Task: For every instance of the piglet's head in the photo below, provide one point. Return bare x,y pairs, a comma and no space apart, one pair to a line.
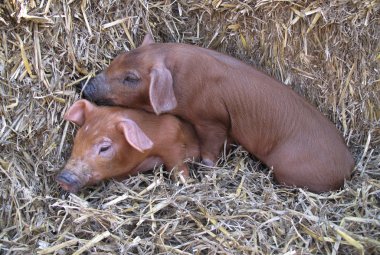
107,145
136,79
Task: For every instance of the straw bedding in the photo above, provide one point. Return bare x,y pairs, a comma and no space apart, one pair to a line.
328,51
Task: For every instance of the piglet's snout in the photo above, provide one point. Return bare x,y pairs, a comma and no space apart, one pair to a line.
68,181
92,90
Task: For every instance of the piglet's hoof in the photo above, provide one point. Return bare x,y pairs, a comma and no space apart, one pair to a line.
208,162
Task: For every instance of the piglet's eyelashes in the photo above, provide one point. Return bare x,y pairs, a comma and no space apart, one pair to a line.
103,148
131,78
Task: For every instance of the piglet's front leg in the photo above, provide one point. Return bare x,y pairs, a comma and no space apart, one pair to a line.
212,137
174,161
181,173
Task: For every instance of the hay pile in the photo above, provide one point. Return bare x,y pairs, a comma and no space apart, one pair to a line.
328,51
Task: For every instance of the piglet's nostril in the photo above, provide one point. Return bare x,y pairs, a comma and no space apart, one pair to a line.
67,178
68,181
79,87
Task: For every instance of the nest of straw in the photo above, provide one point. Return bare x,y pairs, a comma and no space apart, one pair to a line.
328,51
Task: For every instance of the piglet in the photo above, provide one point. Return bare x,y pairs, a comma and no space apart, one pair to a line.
115,142
226,98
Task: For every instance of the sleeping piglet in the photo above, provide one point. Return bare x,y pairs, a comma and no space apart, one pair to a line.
115,142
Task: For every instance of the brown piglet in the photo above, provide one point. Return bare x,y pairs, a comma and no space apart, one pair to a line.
224,97
115,142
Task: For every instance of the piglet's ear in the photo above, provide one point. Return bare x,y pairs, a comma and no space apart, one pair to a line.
161,92
148,39
78,111
134,135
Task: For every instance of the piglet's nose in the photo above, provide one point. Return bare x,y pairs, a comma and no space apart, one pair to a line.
89,88
68,181
86,86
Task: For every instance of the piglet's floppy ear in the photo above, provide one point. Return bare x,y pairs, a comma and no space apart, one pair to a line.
161,92
134,135
148,39
78,111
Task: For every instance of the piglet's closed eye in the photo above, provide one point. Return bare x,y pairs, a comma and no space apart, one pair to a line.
78,111
134,135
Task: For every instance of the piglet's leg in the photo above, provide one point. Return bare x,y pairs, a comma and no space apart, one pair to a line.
181,173
174,161
211,138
